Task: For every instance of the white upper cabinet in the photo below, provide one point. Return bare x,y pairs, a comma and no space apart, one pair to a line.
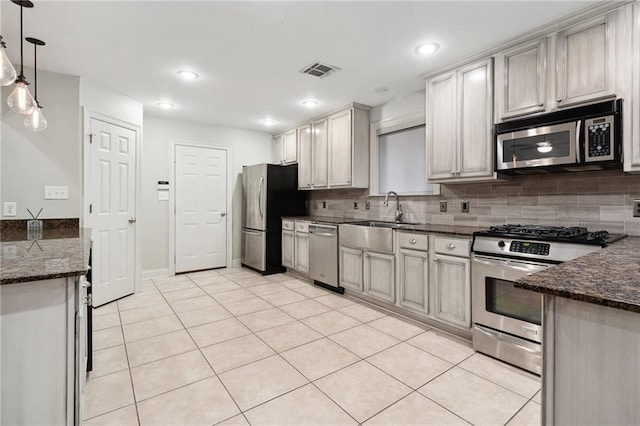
334,150
290,147
576,65
285,147
460,124
585,61
319,153
521,79
304,156
278,149
632,136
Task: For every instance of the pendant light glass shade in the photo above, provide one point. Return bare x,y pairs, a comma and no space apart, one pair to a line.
20,100
36,121
8,73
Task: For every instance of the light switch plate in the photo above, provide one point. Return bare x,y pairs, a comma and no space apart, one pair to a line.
464,206
10,209
636,208
443,206
56,192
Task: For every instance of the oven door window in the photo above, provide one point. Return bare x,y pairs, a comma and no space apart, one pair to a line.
502,298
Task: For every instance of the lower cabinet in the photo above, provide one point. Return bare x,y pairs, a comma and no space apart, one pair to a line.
351,268
413,280
301,243
379,276
452,289
288,248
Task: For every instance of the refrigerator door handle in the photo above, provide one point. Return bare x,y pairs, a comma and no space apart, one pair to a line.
260,197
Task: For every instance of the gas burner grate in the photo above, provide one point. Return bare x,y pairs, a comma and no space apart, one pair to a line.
549,232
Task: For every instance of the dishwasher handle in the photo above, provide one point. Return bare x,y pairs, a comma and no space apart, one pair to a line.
323,230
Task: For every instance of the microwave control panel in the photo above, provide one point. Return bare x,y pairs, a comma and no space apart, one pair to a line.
599,139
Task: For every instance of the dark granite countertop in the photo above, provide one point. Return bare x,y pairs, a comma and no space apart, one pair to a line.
62,252
466,231
609,277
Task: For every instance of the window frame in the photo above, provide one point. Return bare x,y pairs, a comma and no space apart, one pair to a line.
384,127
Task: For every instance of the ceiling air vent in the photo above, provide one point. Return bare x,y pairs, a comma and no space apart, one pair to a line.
320,70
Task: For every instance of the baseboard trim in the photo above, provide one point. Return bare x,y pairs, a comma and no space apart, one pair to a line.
236,263
155,273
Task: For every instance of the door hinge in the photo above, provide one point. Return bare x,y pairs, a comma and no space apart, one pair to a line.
91,135
90,208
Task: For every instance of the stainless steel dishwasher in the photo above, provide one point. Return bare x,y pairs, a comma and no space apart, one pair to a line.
323,256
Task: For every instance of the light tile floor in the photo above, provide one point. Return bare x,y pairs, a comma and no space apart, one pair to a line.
231,347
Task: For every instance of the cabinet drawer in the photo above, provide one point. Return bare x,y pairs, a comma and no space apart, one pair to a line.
302,227
413,241
288,224
452,246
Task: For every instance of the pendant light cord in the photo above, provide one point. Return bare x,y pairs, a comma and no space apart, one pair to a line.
35,71
21,44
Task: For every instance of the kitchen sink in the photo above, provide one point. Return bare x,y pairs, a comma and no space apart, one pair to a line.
379,224
374,236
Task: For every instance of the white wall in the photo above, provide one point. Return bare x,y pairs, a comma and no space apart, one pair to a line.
29,160
99,99
247,148
406,106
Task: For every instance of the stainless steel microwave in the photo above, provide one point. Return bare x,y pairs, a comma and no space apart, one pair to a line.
583,138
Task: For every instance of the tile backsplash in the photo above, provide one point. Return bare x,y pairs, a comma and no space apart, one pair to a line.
596,200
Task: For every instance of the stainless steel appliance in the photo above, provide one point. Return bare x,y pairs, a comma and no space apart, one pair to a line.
507,321
583,138
270,192
323,255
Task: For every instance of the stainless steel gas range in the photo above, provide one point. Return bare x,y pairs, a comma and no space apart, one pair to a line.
507,321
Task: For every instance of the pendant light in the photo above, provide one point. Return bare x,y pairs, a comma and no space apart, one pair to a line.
35,121
20,100
7,71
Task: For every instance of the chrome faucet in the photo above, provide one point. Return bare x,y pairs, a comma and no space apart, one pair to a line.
399,212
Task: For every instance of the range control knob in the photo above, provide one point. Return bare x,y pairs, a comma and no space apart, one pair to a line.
500,243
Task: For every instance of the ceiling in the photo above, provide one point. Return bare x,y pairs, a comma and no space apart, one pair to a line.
249,54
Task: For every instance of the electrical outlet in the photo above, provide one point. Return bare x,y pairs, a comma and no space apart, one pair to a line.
464,206
324,204
636,208
367,205
443,206
10,209
355,205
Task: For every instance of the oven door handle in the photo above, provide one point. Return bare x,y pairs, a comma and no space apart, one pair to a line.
516,265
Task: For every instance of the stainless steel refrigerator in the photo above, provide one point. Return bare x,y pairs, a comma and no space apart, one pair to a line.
270,192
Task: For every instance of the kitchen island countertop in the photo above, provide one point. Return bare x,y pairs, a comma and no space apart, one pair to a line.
60,253
608,277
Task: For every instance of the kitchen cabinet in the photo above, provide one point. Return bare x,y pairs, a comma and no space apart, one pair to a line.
278,149
521,79
451,281
379,276
295,245
43,371
301,243
334,150
350,268
319,153
304,156
576,65
460,124
285,147
585,61
631,139
413,282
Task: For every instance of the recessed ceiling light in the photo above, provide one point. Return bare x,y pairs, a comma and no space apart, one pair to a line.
309,103
188,75
166,105
427,48
268,122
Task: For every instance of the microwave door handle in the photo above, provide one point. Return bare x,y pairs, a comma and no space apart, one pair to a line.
578,125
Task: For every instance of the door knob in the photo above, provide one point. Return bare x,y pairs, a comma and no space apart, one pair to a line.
132,220
223,214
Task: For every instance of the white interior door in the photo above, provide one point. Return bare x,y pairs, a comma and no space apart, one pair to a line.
200,208
113,210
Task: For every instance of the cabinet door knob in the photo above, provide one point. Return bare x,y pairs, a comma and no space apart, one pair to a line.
412,241
223,214
451,246
540,103
559,100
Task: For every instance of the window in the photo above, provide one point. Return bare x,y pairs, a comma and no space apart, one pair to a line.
398,158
